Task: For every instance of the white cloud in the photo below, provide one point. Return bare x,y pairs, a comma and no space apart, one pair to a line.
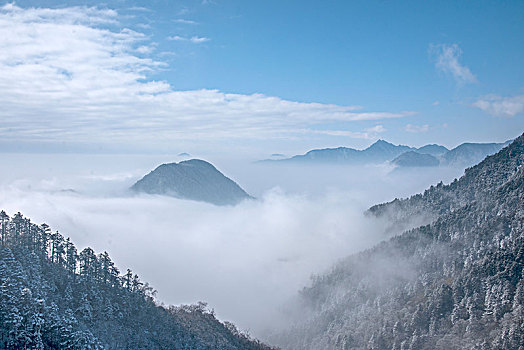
139,9
447,60
197,39
144,49
184,21
416,128
176,38
376,129
501,106
367,134
193,39
66,77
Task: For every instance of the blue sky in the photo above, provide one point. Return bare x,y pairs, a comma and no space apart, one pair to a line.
259,76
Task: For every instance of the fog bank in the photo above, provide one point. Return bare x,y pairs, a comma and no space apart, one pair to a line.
246,261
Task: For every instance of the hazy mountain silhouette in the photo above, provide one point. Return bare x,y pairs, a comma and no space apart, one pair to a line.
193,179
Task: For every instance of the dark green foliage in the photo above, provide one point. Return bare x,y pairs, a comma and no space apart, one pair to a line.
51,297
455,283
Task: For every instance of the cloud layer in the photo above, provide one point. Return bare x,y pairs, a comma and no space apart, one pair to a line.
75,74
246,261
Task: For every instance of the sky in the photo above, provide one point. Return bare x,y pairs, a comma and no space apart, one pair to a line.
252,78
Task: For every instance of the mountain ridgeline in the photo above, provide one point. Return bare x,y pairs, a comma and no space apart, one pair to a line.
52,297
378,152
192,179
415,159
464,155
454,283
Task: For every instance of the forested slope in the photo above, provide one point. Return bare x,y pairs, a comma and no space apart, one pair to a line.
455,283
475,184
52,297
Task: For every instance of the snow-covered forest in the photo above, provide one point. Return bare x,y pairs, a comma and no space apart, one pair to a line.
54,297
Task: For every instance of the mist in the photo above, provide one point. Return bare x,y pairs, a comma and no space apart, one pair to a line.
246,261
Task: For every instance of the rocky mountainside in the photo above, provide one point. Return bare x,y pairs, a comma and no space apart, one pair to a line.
192,179
53,297
455,283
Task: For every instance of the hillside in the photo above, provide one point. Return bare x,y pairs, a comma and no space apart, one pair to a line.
476,182
55,298
455,283
468,154
192,179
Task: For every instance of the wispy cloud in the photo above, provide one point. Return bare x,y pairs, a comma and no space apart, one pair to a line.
184,21
139,9
447,60
376,129
144,49
176,38
196,39
193,39
416,128
64,76
501,106
380,115
369,133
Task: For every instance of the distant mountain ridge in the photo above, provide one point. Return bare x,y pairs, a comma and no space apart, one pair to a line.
466,154
378,152
193,179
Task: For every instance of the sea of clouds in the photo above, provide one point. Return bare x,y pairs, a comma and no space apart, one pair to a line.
247,261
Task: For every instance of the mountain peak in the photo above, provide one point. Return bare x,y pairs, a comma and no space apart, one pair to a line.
383,150
380,142
193,179
384,145
195,162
